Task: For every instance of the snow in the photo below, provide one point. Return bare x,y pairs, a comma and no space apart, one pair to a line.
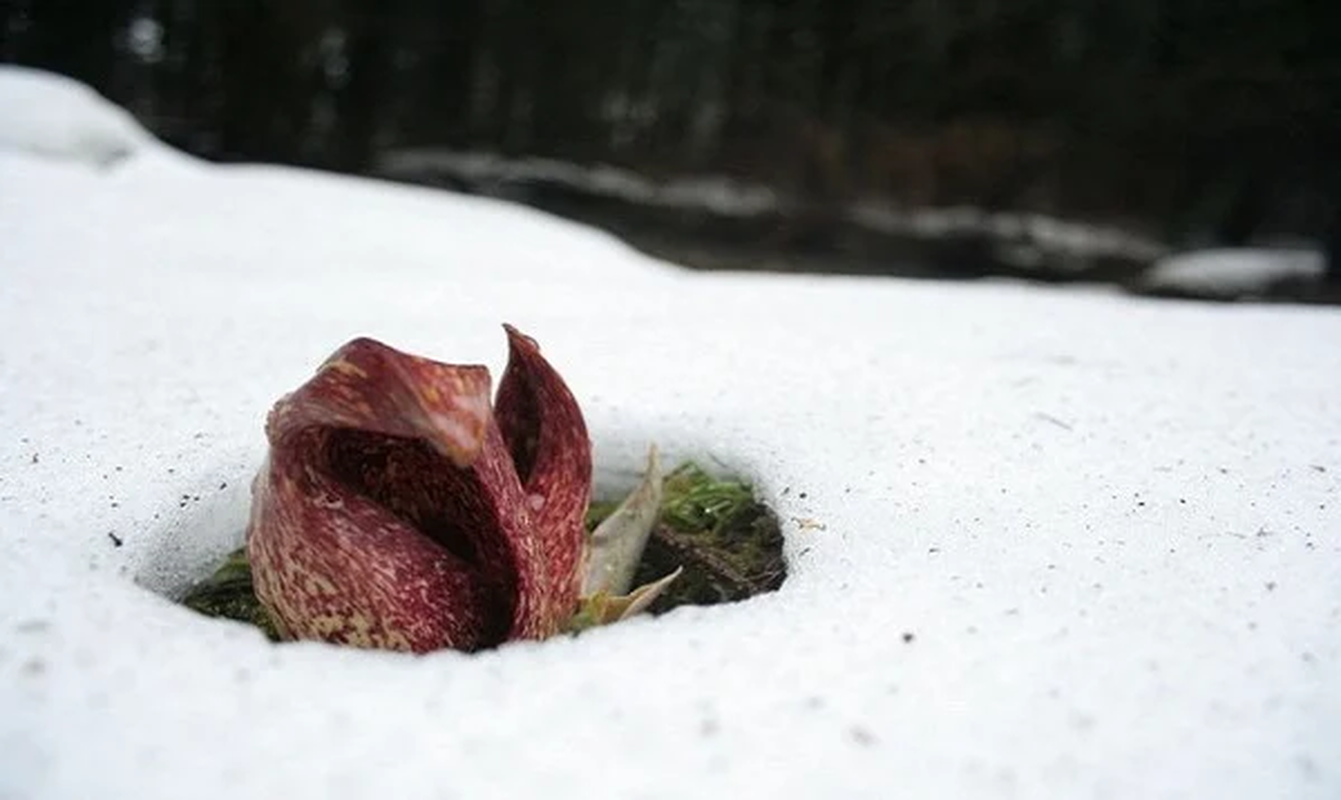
1023,240
53,116
1042,543
716,194
1229,273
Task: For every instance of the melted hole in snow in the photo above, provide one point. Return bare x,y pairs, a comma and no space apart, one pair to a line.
726,542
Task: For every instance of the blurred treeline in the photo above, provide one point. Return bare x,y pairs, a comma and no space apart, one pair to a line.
1211,113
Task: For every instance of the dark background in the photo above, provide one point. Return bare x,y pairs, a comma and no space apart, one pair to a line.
1191,121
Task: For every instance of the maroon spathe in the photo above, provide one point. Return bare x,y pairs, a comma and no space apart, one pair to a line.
397,510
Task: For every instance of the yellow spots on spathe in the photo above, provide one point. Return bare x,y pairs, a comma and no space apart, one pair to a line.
315,616
394,640
323,625
356,630
313,583
345,368
317,583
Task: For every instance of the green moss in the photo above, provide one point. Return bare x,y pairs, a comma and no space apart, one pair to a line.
695,501
228,593
728,543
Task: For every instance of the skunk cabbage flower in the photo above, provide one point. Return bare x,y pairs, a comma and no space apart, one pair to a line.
398,510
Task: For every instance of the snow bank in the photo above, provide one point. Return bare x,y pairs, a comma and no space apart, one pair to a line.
716,194
53,116
1230,273
1043,544
1023,240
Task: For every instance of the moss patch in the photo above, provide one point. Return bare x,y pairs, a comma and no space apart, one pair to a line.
228,593
729,544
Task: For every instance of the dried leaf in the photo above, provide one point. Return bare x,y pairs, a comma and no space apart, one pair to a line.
617,544
604,608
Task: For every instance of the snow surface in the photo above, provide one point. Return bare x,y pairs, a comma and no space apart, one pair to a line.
1242,272
1043,543
54,116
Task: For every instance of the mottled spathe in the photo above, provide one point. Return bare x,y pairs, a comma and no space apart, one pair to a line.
398,511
